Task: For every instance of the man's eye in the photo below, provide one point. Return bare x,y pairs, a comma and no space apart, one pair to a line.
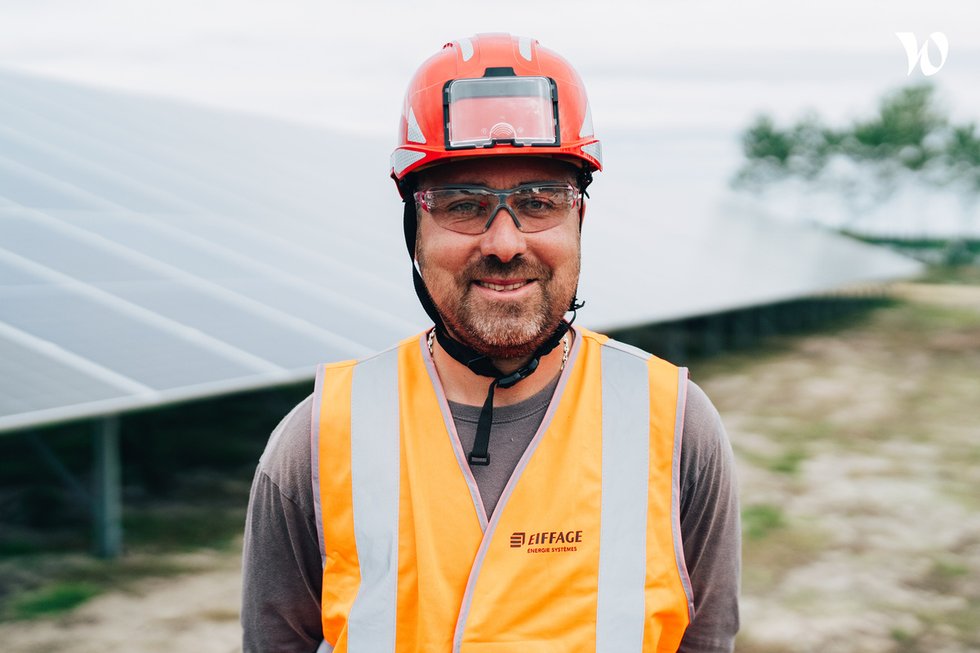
536,204
465,208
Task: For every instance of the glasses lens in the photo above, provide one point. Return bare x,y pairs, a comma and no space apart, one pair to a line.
469,210
541,207
462,210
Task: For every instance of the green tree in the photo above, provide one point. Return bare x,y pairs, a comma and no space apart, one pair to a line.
909,135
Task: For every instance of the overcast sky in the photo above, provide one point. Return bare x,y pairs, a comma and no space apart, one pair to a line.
647,64
672,83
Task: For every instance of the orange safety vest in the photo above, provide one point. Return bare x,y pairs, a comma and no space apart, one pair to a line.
582,553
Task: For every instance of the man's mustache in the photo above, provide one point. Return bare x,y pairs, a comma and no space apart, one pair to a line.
516,268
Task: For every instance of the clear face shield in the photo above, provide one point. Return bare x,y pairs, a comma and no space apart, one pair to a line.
489,110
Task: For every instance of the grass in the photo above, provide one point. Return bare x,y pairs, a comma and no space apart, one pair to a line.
759,520
953,274
787,462
946,575
184,528
42,585
186,477
52,599
915,319
34,584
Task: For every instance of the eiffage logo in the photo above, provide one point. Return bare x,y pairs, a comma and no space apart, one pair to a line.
547,541
920,56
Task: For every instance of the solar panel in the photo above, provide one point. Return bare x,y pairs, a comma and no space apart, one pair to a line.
39,376
152,252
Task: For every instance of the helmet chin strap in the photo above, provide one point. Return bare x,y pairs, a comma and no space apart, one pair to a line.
479,363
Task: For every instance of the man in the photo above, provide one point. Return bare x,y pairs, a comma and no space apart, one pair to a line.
503,481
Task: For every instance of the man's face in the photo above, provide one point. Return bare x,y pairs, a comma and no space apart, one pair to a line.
504,291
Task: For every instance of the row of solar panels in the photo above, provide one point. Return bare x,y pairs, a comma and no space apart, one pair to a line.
152,252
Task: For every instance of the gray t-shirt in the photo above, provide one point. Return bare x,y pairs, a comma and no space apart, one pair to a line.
513,428
282,572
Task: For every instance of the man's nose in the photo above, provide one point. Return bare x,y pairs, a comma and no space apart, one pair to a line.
502,238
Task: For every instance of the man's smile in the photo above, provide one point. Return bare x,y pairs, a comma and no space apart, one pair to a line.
503,285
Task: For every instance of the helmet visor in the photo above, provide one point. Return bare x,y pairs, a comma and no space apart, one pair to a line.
489,110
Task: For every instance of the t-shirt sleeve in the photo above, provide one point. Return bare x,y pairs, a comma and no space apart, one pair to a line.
710,527
281,566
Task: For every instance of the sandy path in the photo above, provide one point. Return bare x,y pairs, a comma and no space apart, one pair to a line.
858,454
940,295
195,612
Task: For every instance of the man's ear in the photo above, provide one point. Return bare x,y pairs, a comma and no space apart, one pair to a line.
581,213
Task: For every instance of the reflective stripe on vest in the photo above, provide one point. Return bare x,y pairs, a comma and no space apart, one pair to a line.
625,469
374,480
582,552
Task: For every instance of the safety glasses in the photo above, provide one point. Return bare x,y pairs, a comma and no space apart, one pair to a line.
468,209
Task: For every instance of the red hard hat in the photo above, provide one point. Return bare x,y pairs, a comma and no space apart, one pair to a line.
494,95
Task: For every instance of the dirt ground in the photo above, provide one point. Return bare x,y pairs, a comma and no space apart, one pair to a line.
859,463
858,454
196,612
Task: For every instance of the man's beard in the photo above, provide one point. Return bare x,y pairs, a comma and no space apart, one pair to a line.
505,329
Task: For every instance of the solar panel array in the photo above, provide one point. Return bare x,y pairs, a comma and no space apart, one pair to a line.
152,252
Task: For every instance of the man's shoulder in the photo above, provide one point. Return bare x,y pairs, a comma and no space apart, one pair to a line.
286,459
700,415
704,436
705,441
